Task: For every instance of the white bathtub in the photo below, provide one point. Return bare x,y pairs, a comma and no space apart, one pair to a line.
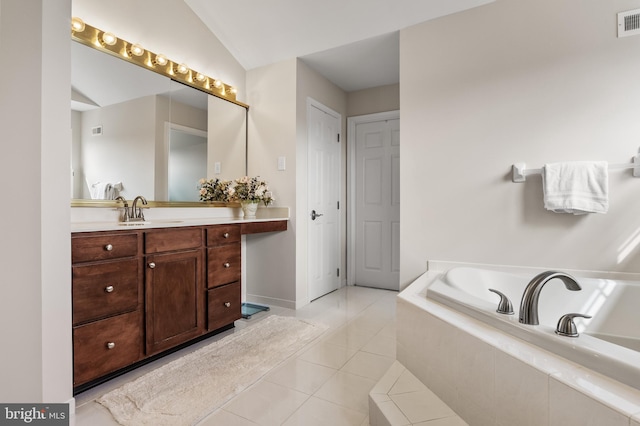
608,343
493,370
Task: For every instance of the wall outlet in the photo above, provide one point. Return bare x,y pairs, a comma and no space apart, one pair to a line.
216,167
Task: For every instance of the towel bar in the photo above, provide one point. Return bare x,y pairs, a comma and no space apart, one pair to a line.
520,171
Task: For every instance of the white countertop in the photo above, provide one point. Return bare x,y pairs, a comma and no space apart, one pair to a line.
92,219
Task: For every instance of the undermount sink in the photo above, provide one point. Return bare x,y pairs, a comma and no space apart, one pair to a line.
149,222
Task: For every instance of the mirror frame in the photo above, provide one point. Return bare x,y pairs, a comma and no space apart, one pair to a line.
92,37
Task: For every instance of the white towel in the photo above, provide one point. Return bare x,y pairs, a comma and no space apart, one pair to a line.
98,190
576,187
105,191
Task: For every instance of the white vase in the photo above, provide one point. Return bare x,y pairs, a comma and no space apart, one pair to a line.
249,209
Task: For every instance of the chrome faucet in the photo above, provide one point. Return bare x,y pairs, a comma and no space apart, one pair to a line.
136,212
529,302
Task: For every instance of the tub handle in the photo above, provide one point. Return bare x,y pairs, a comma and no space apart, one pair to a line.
566,326
504,307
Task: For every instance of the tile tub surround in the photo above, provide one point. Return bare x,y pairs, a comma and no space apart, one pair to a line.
400,399
491,378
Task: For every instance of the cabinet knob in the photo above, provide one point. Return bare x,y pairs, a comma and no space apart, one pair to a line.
226,264
108,289
111,345
108,247
152,265
226,235
227,304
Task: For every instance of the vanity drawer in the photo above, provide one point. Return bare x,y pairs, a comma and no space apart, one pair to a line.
105,289
172,239
223,234
89,248
223,264
223,305
105,346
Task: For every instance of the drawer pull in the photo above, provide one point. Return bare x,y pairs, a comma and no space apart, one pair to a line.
108,247
226,265
111,345
152,265
226,235
109,289
227,304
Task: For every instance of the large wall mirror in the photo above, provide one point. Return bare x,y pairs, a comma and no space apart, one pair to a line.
136,132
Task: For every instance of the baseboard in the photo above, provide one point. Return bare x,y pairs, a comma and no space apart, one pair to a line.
271,301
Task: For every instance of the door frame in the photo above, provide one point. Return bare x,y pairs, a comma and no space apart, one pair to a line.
352,122
311,102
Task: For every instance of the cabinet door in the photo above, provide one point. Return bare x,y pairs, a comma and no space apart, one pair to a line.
174,299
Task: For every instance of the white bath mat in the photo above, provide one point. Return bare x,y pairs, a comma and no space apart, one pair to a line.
186,390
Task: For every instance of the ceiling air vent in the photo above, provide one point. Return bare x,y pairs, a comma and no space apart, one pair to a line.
629,23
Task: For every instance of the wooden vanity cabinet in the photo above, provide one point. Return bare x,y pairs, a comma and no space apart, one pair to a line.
138,293
223,275
107,303
174,287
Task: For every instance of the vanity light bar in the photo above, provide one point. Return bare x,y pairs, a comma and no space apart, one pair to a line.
136,54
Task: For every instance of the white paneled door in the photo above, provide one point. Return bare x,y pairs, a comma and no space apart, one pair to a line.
323,174
377,203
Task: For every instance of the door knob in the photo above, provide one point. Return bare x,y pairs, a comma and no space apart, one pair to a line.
152,265
314,215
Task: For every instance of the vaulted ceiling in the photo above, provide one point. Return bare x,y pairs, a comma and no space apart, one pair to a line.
353,43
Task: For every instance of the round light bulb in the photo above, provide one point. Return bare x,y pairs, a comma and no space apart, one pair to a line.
77,25
217,84
233,90
137,50
182,69
201,77
161,60
109,38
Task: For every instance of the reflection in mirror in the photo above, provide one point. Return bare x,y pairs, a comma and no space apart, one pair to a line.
136,132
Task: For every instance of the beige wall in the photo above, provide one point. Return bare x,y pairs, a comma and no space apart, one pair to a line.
270,274
516,81
277,263
35,303
124,152
376,99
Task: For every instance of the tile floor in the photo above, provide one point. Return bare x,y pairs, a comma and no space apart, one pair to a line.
325,383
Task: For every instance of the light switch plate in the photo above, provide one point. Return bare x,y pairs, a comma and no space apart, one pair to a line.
282,163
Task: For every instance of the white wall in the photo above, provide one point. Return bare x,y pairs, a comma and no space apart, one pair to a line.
35,302
516,81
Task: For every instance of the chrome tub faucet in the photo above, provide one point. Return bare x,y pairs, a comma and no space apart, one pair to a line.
529,302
